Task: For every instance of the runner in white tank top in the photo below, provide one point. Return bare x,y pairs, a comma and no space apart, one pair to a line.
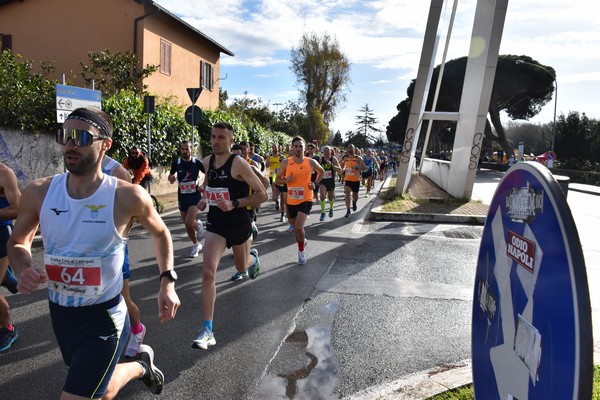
85,216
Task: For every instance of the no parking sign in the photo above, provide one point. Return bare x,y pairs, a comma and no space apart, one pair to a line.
531,326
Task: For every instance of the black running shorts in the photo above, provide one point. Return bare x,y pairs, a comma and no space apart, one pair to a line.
91,340
353,185
304,207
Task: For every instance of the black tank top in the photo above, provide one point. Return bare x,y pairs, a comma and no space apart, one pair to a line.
221,178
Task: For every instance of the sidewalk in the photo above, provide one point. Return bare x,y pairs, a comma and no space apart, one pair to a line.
430,204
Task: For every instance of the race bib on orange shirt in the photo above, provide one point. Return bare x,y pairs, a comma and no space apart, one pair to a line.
212,194
296,193
187,187
74,276
349,171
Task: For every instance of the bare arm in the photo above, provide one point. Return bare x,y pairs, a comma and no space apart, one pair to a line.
120,172
317,167
203,202
10,187
132,201
261,177
281,179
19,243
336,165
363,166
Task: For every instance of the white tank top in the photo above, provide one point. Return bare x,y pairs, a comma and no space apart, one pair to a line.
83,250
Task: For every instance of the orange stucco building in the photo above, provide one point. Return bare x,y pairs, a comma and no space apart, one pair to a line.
64,31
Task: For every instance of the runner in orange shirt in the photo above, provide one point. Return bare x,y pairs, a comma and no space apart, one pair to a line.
352,166
295,171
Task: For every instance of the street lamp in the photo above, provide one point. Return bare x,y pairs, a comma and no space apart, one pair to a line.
555,97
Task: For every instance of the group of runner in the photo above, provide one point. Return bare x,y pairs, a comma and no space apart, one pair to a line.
353,168
85,216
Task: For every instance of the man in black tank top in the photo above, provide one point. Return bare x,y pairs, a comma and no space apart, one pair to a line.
226,192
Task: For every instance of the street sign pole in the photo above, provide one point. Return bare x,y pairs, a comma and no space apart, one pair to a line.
194,93
192,129
149,110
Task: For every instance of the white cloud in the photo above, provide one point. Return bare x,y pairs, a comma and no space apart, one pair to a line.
383,40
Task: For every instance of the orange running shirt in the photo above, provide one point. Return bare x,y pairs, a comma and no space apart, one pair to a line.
297,189
351,172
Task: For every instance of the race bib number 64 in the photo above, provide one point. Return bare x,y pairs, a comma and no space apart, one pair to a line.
74,276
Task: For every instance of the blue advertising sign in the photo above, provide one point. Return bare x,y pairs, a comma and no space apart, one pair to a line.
531,326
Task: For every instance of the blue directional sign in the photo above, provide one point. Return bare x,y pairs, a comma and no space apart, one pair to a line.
68,98
531,325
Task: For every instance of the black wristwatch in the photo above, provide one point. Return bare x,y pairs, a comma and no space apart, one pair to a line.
235,203
170,275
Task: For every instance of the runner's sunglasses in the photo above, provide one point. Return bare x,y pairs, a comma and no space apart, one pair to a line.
80,137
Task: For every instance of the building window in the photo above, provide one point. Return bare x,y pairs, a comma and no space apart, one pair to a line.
206,75
5,42
165,57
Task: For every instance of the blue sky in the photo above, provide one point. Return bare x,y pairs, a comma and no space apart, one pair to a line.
383,40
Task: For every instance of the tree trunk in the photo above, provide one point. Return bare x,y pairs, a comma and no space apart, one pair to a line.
501,138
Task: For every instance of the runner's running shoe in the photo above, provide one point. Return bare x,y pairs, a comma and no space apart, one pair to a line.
254,269
10,281
7,338
331,213
153,378
347,213
353,206
196,249
281,218
301,257
254,232
290,228
238,276
322,217
204,339
135,341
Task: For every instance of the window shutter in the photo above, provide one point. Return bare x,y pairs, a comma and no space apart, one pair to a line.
206,75
165,57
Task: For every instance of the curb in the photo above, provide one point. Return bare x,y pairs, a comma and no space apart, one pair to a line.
587,189
378,215
421,385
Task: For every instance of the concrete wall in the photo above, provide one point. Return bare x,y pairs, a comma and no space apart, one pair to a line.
32,156
438,171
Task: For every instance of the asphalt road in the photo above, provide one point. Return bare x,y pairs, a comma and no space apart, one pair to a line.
375,302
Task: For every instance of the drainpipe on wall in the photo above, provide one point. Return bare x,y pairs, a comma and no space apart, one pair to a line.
135,26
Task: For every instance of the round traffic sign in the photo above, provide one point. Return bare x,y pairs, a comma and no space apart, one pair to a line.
551,155
531,322
193,115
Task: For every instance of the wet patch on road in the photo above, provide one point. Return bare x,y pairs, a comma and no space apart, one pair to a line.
304,366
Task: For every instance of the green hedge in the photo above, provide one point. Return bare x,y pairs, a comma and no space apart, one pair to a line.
28,102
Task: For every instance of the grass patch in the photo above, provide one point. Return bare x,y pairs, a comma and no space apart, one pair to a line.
394,202
466,392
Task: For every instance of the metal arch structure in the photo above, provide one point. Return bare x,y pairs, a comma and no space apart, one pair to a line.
459,178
